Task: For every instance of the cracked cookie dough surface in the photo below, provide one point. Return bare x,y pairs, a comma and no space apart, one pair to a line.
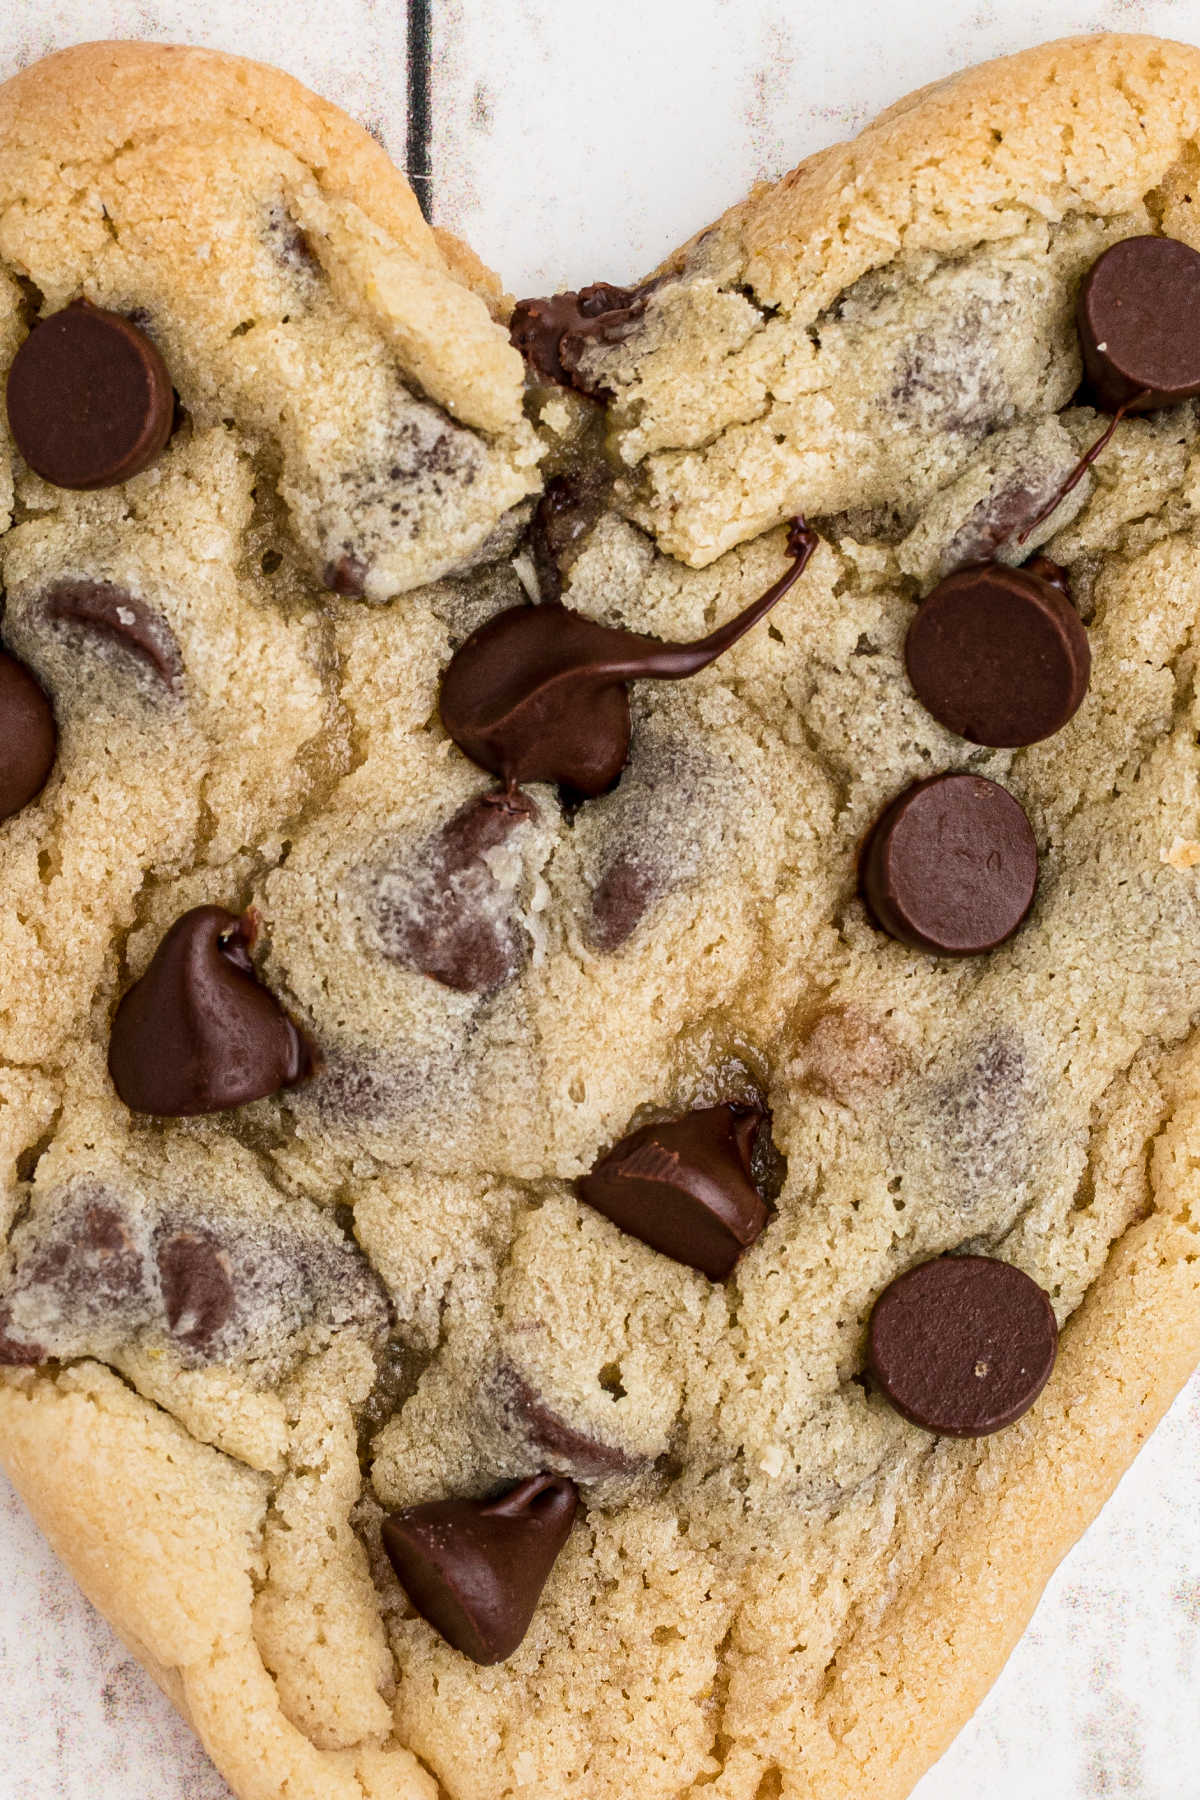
237,1341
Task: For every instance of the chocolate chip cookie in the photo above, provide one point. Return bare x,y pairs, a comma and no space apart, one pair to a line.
598,1075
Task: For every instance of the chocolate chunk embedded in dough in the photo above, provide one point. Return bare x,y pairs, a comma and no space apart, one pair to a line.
962,1345
28,736
196,1279
452,918
199,1033
118,616
998,655
89,398
475,1569
539,692
684,1187
951,865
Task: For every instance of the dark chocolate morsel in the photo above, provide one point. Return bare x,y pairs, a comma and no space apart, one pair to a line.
620,900
28,736
1138,315
118,615
195,1275
16,1352
347,575
538,693
560,1446
475,1569
89,398
962,1345
552,333
199,1033
446,922
565,514
998,655
951,865
684,1187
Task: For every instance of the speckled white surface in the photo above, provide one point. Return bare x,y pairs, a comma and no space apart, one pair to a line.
576,143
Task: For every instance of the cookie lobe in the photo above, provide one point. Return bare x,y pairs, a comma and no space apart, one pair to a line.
28,736
962,1345
951,865
538,693
998,655
1138,315
475,1569
199,1033
89,398
684,1187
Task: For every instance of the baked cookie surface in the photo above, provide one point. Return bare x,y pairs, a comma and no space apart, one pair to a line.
242,1338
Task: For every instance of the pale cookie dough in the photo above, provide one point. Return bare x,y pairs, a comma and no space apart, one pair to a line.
237,1341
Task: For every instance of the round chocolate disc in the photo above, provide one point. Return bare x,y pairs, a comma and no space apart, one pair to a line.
998,655
1139,324
951,865
28,736
89,398
962,1345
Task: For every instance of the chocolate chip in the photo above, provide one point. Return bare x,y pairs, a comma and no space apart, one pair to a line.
998,655
622,896
451,918
951,865
347,575
962,1345
539,694
565,516
86,1262
121,618
89,398
16,1352
475,1569
684,1186
199,1033
197,1286
223,1278
28,736
553,333
1138,315
561,1446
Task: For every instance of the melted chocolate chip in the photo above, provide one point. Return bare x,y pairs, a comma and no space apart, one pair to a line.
89,398
199,1033
539,692
998,655
195,1276
951,866
560,1446
90,1263
346,575
1138,315
565,516
684,1187
475,1569
121,618
962,1345
28,736
452,920
91,1270
553,333
620,900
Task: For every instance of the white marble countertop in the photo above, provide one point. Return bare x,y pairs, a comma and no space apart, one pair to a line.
569,144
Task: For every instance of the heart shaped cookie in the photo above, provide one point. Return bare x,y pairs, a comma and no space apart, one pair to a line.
599,1097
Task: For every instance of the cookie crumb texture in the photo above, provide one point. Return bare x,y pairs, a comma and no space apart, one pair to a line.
236,1342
